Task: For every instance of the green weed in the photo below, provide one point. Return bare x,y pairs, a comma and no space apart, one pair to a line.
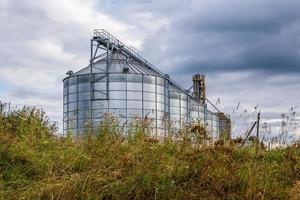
37,164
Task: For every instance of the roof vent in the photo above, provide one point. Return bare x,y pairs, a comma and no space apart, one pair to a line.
69,73
125,69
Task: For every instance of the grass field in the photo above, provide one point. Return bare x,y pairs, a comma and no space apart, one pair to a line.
37,164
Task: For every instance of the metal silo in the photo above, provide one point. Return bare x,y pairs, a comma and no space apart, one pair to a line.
121,82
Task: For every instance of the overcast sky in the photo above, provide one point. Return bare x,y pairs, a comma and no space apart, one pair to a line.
249,50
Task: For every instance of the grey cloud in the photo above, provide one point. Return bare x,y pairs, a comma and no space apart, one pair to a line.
232,35
249,50
28,92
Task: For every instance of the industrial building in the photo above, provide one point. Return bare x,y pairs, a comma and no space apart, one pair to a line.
120,81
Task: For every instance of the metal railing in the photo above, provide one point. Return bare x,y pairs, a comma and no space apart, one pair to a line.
103,34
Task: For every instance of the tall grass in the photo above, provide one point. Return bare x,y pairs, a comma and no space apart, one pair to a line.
37,164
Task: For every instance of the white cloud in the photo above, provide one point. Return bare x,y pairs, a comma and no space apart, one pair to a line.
81,16
44,49
43,40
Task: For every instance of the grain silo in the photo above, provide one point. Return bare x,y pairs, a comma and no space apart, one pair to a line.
120,81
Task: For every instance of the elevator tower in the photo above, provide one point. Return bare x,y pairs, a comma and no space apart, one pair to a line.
199,88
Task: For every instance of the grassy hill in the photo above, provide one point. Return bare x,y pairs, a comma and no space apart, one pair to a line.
36,164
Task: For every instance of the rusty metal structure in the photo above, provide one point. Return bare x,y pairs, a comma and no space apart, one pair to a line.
199,88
